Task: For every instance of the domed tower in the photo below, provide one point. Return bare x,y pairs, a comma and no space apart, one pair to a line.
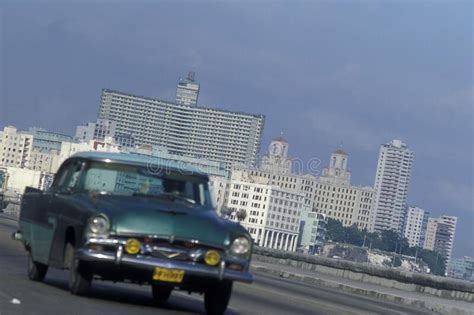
337,171
276,161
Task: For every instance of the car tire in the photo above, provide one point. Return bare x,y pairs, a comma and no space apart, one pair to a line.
217,296
79,279
36,271
160,293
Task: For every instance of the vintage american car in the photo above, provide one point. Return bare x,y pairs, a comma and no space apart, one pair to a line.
125,217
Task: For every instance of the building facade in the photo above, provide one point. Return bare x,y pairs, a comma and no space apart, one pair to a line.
336,198
271,214
15,147
415,226
187,91
462,268
312,232
440,234
46,141
211,134
330,194
392,180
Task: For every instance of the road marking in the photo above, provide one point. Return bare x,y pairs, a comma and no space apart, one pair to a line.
10,298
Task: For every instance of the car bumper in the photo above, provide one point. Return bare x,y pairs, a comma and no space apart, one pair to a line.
149,263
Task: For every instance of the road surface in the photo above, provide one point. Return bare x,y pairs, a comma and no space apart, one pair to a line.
267,295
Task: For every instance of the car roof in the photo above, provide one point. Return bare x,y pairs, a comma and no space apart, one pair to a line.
153,162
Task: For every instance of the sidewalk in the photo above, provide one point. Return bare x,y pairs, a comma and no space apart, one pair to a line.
432,303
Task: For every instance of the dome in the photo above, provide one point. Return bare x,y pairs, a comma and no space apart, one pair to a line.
340,151
280,139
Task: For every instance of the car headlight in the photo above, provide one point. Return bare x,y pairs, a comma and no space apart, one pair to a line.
99,225
240,246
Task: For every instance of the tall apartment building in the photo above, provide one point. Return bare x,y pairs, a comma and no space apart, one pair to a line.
187,91
272,213
330,194
415,226
15,147
212,134
391,185
440,233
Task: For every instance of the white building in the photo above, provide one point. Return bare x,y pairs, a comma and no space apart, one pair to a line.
440,233
20,178
330,194
15,147
272,214
187,91
208,133
335,197
415,226
277,161
391,185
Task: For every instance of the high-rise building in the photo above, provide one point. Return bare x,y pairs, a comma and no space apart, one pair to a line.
212,134
391,185
440,233
187,91
15,147
415,226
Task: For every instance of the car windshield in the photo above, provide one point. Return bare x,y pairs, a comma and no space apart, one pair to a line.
121,179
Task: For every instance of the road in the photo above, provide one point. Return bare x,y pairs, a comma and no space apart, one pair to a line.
267,295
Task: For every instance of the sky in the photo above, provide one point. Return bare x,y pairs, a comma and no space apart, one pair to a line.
360,73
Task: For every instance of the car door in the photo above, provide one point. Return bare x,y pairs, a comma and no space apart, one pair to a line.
44,222
62,211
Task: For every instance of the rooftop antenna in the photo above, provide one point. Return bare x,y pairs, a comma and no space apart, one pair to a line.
191,75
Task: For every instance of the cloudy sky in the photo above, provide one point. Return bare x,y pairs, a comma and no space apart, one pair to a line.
360,73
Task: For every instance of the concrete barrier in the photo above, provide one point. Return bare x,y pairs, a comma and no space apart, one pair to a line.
391,278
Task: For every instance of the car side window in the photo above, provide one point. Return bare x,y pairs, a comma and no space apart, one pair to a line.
61,177
75,171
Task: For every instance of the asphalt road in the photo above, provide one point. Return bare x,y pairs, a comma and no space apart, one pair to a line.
267,295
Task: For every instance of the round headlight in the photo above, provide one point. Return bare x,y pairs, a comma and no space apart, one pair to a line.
240,246
99,225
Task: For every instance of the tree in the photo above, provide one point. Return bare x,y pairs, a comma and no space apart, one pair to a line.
241,214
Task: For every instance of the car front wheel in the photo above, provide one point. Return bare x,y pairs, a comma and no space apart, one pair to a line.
36,271
217,296
79,279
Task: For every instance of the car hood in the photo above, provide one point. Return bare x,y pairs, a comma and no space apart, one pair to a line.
137,215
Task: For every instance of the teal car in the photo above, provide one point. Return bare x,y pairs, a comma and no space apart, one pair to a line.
124,217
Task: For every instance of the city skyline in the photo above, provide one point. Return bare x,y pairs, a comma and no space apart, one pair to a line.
363,98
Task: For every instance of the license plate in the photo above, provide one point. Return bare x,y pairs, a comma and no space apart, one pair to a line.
168,275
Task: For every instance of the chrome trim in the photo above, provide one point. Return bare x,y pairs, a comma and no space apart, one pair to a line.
150,263
221,269
118,254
